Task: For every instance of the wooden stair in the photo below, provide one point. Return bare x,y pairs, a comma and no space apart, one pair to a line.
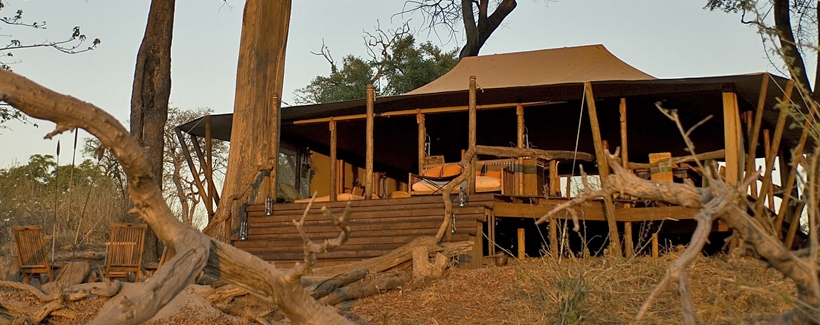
377,227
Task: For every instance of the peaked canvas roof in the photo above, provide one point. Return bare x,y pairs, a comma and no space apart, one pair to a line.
536,68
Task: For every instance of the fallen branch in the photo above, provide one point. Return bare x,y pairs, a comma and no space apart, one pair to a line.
195,251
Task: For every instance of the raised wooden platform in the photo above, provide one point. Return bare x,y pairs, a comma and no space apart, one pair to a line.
377,227
380,226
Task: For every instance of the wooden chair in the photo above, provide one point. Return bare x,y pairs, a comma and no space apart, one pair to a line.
125,250
31,252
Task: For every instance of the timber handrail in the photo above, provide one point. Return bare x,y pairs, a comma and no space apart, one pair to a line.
717,154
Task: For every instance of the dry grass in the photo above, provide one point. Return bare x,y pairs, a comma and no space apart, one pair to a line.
545,291
584,291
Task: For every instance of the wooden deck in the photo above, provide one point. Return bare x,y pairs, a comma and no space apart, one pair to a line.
380,226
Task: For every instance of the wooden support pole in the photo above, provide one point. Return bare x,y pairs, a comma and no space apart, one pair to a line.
194,172
794,224
200,156
603,170
655,249
340,176
554,238
472,130
522,250
519,170
731,137
629,249
298,172
754,134
334,186
209,158
771,152
788,189
553,189
422,140
273,153
368,165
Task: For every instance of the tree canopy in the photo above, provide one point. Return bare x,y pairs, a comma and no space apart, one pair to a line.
402,67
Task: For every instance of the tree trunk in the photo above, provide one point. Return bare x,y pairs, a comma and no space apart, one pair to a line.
149,97
259,78
478,33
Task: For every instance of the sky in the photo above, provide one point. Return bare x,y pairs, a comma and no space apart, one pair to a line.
665,38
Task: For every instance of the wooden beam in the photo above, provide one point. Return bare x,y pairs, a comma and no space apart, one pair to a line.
603,169
422,140
754,134
553,224
209,156
630,246
436,110
533,153
519,112
200,156
522,249
731,137
594,212
194,173
655,249
334,165
794,224
771,152
472,130
368,172
796,153
717,154
273,152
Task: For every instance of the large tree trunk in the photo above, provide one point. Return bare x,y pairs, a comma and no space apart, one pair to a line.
478,32
259,78
149,96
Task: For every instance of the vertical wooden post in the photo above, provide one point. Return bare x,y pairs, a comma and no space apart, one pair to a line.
554,237
519,170
553,189
422,140
771,152
731,137
187,153
754,134
209,158
522,250
340,176
273,153
298,172
629,249
655,249
603,170
334,166
368,171
472,130
798,151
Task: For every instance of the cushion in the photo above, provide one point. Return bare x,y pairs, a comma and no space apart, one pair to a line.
287,192
433,171
451,171
487,184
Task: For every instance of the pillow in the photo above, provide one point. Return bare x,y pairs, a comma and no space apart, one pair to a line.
487,183
425,186
287,192
451,171
433,171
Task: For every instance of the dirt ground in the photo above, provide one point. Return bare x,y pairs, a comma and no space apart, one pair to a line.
534,291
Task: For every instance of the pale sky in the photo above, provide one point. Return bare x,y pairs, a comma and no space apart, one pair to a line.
665,38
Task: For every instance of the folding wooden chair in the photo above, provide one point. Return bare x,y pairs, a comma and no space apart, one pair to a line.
125,250
31,252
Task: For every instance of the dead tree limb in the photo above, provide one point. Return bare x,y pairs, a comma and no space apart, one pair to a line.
194,249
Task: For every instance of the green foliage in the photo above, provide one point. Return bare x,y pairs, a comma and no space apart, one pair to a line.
73,200
730,6
404,67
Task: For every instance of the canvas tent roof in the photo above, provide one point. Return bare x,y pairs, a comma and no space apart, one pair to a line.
535,68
